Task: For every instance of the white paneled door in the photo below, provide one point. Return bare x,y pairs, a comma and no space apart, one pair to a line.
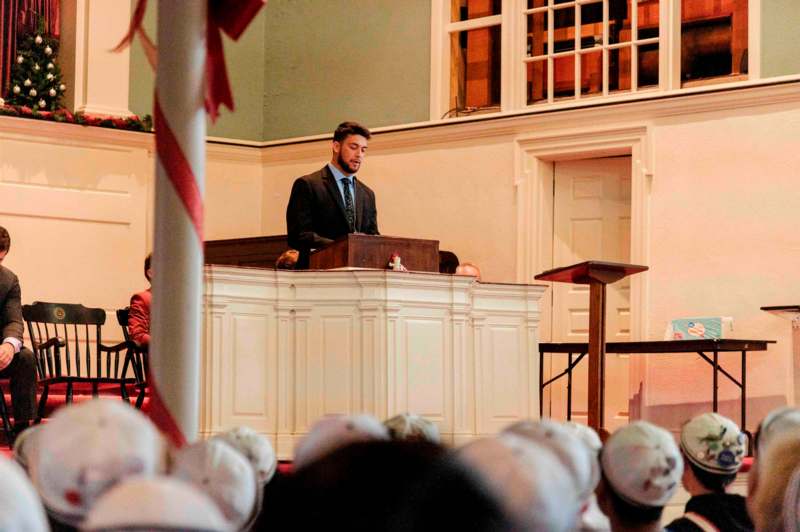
591,221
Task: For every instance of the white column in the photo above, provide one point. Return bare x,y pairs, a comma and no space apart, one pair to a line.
97,79
178,253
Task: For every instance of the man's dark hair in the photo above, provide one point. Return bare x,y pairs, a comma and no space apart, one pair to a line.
630,514
147,261
346,129
5,239
711,481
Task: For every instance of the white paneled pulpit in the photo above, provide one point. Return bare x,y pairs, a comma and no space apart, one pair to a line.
284,348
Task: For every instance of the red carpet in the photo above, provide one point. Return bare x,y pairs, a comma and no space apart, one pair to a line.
81,392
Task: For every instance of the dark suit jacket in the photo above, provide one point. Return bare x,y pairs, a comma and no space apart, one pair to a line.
315,215
139,318
10,305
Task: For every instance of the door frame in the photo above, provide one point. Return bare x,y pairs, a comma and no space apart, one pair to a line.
534,158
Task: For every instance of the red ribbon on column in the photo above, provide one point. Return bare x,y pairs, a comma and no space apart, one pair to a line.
229,16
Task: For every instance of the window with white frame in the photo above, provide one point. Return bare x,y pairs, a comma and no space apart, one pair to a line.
591,47
511,54
474,34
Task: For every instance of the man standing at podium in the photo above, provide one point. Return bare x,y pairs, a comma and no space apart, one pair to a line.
332,202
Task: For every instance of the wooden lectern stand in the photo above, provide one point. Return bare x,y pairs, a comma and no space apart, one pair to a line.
374,251
597,275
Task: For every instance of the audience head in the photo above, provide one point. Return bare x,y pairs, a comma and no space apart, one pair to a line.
573,454
20,507
587,435
772,497
452,497
411,427
714,448
592,518
333,432
221,472
528,478
24,443
5,242
791,503
779,421
148,270
364,485
87,448
467,268
641,467
157,503
255,447
287,260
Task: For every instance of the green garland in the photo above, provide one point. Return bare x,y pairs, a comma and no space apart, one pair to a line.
128,123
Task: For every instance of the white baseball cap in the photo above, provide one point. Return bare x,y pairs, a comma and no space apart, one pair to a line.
255,447
24,443
642,464
21,509
713,443
528,478
333,432
88,447
573,453
155,503
220,471
412,427
777,422
791,503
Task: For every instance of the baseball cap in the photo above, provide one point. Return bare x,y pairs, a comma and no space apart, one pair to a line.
642,464
713,443
412,427
21,509
333,432
528,478
791,504
23,444
155,503
88,447
777,422
570,450
220,471
255,447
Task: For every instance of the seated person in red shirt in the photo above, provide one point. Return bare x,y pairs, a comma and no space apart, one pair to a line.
139,314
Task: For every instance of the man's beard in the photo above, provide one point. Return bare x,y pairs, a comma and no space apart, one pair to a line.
344,166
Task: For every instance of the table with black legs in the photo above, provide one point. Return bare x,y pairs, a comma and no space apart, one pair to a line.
707,349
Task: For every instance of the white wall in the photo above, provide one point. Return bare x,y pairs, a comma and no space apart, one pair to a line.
78,204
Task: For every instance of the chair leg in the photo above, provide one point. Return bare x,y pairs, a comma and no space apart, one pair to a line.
123,391
95,390
42,404
68,397
140,397
6,421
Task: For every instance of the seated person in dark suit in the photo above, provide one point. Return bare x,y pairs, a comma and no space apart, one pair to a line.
139,314
17,363
332,202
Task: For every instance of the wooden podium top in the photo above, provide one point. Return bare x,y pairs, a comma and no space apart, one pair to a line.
374,251
592,270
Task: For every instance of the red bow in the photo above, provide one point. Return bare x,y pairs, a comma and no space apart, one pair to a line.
230,16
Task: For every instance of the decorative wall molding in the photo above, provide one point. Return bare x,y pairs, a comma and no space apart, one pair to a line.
534,157
413,347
